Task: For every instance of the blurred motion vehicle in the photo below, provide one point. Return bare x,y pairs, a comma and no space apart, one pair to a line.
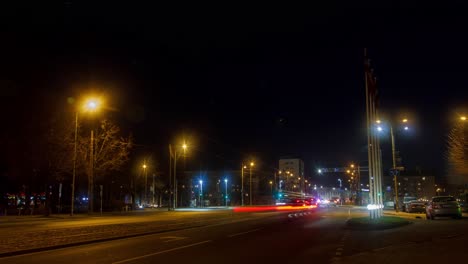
415,207
443,206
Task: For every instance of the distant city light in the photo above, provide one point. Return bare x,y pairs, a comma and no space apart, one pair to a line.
406,128
319,171
379,128
378,121
405,120
463,118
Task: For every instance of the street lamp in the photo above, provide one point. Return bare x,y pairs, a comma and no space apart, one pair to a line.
250,171
201,193
226,196
463,118
271,187
394,167
242,184
173,153
90,105
146,182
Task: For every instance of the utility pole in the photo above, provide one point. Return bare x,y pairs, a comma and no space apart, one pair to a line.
175,178
242,185
153,188
250,194
394,169
74,166
91,175
170,178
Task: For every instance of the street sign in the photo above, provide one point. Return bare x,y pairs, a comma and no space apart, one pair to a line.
394,172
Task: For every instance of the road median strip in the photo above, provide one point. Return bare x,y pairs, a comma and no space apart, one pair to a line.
385,222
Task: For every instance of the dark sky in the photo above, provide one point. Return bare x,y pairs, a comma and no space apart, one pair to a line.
241,81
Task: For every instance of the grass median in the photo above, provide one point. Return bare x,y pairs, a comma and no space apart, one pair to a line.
385,222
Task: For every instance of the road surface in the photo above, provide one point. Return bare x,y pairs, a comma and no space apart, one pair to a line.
318,237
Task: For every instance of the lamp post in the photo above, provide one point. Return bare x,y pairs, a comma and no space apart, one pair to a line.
226,196
250,170
74,166
146,182
394,166
91,105
201,193
271,187
173,154
242,184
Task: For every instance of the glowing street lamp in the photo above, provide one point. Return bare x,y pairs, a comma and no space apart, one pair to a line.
201,193
250,192
174,154
90,105
463,118
226,196
146,182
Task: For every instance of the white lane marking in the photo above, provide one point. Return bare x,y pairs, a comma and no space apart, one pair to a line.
171,238
246,232
161,252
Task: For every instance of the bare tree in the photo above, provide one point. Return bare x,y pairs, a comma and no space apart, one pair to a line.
457,155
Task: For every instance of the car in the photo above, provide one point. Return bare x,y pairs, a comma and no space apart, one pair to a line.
443,206
406,201
415,207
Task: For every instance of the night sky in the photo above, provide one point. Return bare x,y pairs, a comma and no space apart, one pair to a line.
239,82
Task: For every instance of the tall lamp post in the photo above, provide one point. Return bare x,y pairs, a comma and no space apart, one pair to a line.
90,105
146,182
175,155
250,185
201,193
242,184
394,166
226,196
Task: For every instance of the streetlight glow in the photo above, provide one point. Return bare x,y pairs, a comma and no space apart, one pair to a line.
144,166
463,118
378,121
379,128
404,120
91,104
251,164
406,128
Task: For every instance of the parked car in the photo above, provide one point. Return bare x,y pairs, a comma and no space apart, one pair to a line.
415,207
443,206
406,200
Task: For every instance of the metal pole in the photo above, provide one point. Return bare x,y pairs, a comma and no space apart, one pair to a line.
395,179
242,185
91,175
146,184
153,188
226,192
201,194
250,194
74,167
369,145
170,179
175,178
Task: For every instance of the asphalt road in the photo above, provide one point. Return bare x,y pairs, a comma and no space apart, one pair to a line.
319,237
